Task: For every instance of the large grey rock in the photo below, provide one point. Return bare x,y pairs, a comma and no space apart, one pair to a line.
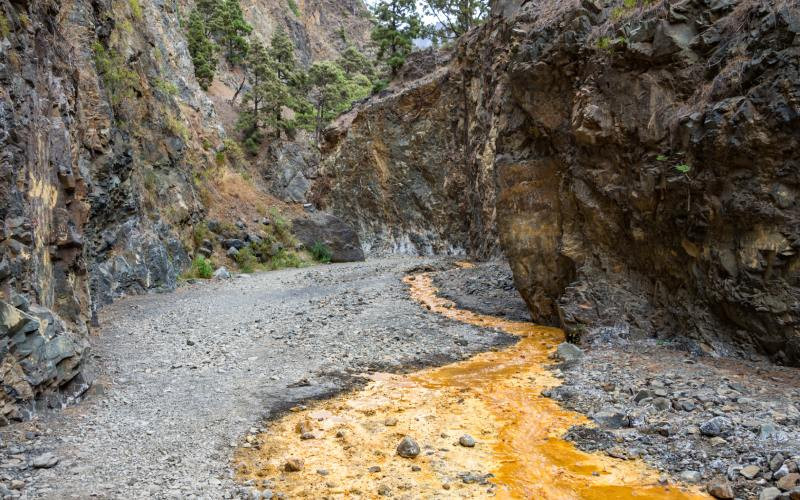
568,353
41,359
336,234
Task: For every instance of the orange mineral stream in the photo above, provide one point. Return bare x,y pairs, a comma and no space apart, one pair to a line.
350,440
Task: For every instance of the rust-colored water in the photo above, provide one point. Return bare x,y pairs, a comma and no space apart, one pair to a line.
495,397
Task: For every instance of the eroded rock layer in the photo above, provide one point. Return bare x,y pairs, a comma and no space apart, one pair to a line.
639,166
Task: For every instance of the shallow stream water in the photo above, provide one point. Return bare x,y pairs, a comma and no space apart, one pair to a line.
494,397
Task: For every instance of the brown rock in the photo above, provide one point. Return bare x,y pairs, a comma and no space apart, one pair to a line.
789,481
720,488
293,465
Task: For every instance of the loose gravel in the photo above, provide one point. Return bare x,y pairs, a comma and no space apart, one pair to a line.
182,377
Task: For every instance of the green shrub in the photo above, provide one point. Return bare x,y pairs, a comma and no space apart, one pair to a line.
321,252
136,9
246,260
5,30
294,7
284,259
201,268
200,233
281,226
120,81
683,168
166,87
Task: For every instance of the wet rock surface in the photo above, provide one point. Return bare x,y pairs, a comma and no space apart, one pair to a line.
182,377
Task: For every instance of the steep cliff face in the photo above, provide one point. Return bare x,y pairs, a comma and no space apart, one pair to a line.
410,167
109,153
638,165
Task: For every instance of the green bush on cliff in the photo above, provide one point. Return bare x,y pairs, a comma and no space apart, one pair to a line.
136,9
120,81
246,260
293,7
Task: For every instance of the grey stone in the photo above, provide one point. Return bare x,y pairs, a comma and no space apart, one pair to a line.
610,419
222,274
408,448
467,441
691,476
716,426
45,461
232,252
568,353
770,493
720,488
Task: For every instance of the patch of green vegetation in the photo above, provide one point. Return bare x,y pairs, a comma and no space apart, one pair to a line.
683,168
126,26
661,158
283,259
207,144
166,87
246,260
177,128
150,181
201,268
321,252
200,233
294,7
234,153
136,9
5,30
120,81
604,43
280,225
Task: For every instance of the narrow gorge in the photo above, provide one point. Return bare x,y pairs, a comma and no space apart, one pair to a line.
433,249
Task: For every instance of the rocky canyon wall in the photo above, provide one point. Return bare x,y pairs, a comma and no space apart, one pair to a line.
106,146
638,165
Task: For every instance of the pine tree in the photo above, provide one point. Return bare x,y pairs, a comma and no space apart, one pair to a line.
233,31
456,17
397,25
331,93
353,62
265,99
202,49
281,49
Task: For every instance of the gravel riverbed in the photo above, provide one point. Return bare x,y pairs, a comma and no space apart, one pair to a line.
184,376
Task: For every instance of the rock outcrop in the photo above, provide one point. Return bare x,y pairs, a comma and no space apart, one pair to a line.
638,166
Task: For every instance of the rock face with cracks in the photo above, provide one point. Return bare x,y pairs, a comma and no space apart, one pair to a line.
636,166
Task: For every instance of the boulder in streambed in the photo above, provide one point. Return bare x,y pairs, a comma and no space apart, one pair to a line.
408,448
339,236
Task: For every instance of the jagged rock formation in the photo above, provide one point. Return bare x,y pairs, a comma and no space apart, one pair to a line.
106,144
638,165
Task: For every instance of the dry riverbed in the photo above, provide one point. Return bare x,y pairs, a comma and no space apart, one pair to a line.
184,376
210,391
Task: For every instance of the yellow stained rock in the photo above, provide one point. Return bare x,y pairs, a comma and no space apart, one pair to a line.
494,397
